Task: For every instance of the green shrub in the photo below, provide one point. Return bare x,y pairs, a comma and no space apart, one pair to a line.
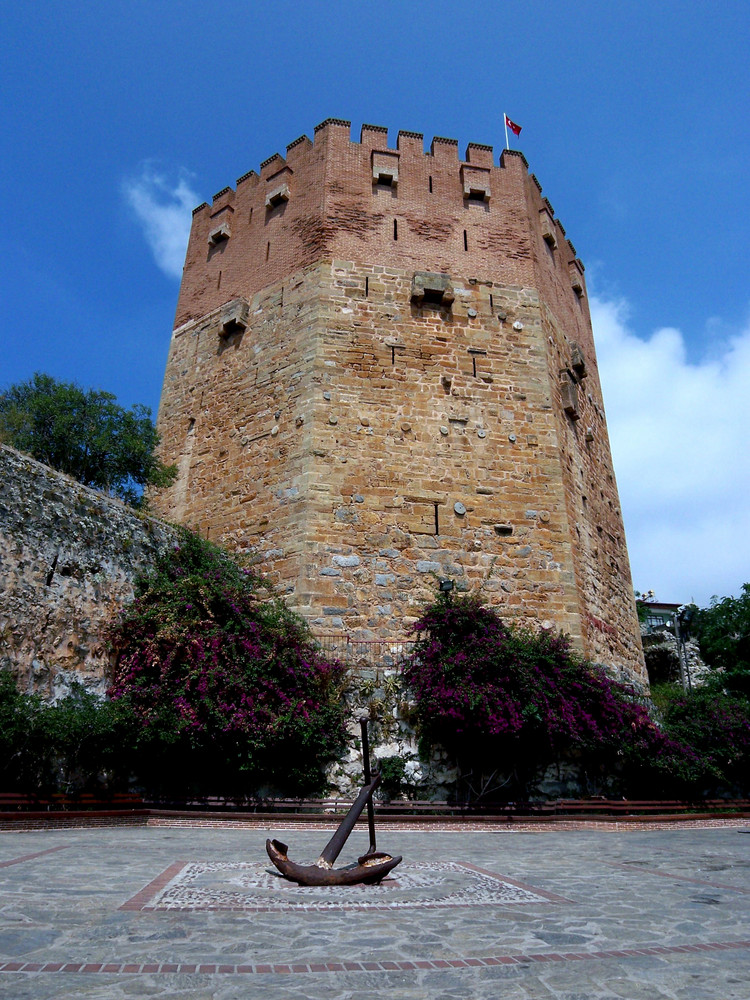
89,744
78,744
716,726
392,776
22,751
723,633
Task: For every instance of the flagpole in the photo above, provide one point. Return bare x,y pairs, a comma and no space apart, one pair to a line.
505,122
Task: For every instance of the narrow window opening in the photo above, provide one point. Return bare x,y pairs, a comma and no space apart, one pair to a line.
492,304
476,352
282,297
218,281
437,521
268,249
191,425
430,183
466,241
250,217
367,287
393,355
433,296
395,229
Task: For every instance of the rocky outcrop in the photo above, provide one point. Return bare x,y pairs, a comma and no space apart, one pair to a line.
663,652
68,559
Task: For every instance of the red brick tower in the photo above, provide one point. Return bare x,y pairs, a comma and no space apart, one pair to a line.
383,372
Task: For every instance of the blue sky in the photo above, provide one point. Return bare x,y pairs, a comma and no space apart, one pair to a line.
117,118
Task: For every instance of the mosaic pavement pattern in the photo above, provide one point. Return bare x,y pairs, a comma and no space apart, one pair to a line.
247,885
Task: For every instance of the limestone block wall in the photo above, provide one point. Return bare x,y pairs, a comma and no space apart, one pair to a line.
361,447
68,557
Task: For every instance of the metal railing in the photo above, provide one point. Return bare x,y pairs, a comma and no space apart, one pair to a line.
365,652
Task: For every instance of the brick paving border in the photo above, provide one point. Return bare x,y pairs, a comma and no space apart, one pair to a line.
21,823
141,899
672,875
551,897
296,968
291,822
30,857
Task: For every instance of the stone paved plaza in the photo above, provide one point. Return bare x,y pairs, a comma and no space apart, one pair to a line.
604,911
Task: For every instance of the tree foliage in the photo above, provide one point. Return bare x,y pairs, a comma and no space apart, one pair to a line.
18,726
79,744
502,698
224,680
84,433
716,726
723,633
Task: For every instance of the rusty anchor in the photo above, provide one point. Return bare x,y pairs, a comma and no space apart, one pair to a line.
370,868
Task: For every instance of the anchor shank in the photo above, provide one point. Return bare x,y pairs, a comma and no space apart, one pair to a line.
368,778
333,848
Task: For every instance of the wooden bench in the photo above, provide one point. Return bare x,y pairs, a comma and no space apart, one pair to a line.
18,800
59,802
646,807
15,802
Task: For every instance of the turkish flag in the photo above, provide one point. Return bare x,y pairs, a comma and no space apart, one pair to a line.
515,129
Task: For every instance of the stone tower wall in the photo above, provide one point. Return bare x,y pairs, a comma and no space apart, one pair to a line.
361,442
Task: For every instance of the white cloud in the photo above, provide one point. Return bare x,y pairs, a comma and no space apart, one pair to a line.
163,207
678,431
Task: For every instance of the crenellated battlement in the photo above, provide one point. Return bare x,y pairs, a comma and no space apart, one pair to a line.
365,200
335,133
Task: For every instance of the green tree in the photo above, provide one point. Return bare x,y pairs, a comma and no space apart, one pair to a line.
716,726
85,433
723,633
230,691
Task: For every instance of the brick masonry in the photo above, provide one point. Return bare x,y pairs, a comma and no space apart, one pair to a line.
360,438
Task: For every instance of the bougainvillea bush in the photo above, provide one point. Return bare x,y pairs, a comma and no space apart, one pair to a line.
508,702
230,692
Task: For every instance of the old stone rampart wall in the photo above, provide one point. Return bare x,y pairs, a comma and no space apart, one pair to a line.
68,558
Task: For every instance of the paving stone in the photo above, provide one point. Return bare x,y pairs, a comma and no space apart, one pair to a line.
192,912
